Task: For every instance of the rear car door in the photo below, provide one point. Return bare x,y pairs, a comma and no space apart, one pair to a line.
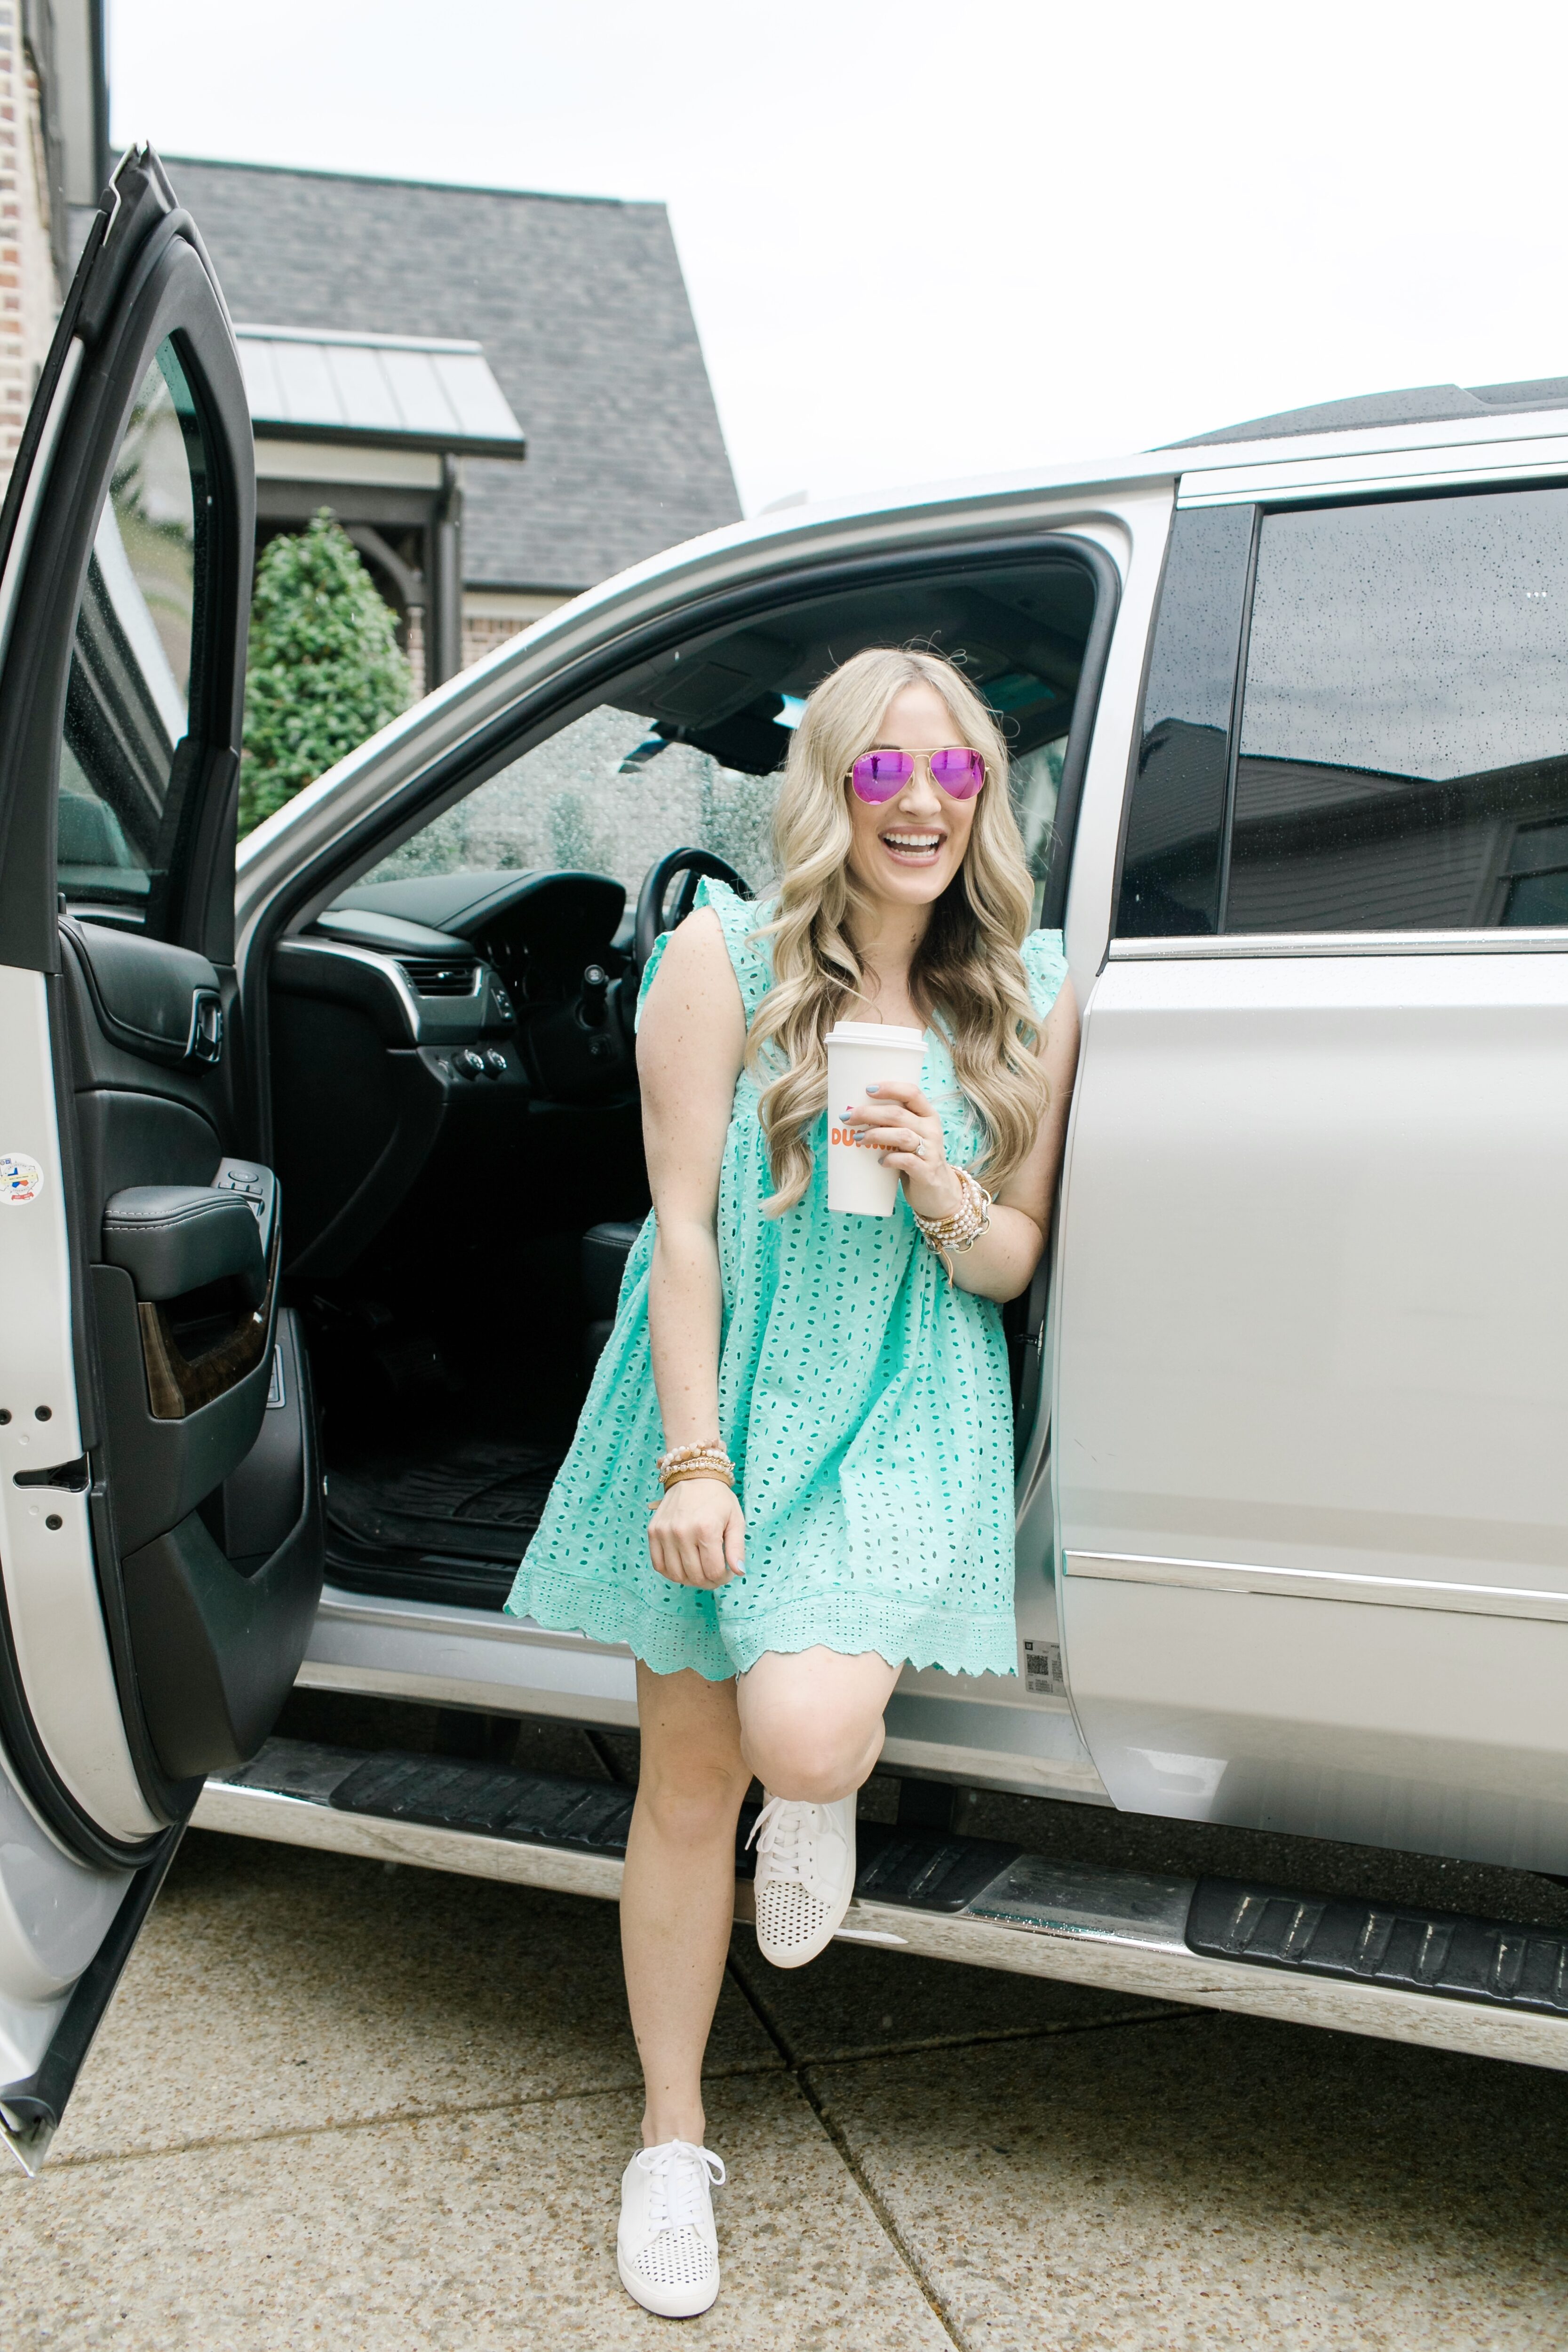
1313,1488
159,1514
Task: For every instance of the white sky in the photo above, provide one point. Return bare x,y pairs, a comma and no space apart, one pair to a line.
927,238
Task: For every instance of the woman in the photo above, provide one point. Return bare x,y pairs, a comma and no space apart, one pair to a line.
846,1375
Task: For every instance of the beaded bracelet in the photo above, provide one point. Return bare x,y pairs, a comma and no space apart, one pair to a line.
710,1463
705,1461
680,1453
964,1228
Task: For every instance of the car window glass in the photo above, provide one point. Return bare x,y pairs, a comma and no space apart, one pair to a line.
1036,781
1172,856
133,658
1403,745
606,795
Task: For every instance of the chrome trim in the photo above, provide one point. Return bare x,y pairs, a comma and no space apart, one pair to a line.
339,1606
1363,472
442,1655
295,1820
1119,1930
1259,945
441,995
459,1017
1319,1584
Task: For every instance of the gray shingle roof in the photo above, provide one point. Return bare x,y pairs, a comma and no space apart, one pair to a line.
582,311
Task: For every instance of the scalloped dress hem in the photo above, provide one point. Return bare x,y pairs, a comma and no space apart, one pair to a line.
904,1634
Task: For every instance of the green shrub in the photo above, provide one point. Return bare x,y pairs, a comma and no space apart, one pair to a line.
324,669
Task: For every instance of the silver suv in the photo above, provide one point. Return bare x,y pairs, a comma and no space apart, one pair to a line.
317,1179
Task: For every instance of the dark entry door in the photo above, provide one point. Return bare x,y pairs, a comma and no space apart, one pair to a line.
160,1539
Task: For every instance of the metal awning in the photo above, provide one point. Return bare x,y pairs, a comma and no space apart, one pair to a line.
388,392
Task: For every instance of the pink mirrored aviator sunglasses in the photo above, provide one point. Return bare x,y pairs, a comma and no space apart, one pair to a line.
879,776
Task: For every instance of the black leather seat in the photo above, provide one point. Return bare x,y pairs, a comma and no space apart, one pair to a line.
605,1249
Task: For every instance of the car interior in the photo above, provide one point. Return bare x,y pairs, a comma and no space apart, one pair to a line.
454,1086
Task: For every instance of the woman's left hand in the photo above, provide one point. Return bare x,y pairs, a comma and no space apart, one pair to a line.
897,1118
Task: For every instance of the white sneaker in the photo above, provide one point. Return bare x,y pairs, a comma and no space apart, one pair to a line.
805,1876
666,2248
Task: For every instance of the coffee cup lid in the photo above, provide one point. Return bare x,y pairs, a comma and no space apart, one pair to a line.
876,1032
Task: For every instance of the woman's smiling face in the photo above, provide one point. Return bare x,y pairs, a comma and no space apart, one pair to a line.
907,850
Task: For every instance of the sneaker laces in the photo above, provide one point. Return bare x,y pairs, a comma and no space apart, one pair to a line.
775,1834
677,2171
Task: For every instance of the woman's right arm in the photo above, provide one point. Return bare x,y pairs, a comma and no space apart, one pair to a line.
690,1045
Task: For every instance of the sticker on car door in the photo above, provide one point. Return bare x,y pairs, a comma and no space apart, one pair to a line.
21,1179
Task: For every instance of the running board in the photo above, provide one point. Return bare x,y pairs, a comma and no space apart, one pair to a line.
1388,1969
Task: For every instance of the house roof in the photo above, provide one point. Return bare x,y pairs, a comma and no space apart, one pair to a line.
396,392
582,312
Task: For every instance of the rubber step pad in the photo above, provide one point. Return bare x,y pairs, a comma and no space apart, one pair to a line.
926,1871
1409,1950
489,1801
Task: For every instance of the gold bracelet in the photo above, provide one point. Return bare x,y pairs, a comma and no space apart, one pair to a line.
965,1227
722,1476
707,1466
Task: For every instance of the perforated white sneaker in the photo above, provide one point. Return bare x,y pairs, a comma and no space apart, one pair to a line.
666,2248
805,1876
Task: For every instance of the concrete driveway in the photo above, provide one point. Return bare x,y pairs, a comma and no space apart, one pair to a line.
342,2105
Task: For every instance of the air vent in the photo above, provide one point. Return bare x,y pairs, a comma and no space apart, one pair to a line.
429,977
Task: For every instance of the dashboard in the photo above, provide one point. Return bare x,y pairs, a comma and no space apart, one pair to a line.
439,1011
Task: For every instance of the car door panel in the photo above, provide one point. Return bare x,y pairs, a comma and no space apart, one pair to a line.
222,1604
62,1661
1311,1490
154,1402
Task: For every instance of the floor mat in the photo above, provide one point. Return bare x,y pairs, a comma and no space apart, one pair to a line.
480,1497
449,1527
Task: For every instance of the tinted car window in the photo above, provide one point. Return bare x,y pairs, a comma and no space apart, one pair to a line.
136,656
1404,732
1171,864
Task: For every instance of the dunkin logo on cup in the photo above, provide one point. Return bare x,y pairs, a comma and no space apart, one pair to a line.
848,1134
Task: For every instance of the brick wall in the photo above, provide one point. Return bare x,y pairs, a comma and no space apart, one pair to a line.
482,634
28,295
490,617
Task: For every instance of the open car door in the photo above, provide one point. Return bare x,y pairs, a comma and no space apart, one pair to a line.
160,1507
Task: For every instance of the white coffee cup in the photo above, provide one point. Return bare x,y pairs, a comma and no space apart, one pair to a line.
860,1054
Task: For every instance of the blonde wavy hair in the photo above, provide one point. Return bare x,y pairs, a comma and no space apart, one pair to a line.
967,968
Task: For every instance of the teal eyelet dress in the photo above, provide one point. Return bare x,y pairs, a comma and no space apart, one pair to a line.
865,1404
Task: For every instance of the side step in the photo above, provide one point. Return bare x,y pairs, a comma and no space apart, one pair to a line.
1453,1983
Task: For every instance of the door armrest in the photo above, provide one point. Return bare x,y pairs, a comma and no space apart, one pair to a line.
174,1238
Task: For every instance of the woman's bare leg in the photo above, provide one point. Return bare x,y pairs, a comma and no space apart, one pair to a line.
811,1721
677,1896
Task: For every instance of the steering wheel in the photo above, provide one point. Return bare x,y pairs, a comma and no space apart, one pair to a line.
653,917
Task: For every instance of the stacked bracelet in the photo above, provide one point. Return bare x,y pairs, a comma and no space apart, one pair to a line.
705,1461
964,1228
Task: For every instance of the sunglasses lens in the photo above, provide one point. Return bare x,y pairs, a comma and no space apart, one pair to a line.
959,771
877,775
